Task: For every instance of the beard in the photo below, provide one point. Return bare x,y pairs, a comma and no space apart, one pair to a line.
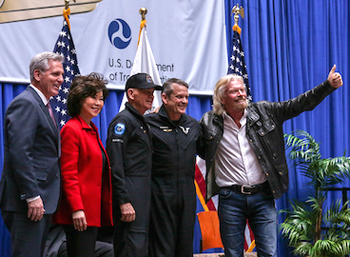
241,105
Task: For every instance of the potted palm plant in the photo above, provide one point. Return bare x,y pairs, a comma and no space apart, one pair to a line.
310,227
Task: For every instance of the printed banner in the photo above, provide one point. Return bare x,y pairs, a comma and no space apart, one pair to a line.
188,41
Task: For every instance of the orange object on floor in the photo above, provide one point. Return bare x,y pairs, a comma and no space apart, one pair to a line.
209,224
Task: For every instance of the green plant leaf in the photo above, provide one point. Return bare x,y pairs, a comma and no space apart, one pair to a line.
303,223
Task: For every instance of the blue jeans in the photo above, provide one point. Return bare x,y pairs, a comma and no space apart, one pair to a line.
259,209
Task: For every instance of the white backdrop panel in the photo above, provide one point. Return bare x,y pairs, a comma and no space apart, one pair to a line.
187,38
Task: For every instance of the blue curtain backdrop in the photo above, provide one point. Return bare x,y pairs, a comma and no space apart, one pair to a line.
290,46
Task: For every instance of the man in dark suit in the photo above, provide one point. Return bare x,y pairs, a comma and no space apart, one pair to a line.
30,182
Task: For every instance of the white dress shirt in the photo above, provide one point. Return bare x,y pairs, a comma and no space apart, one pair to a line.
235,160
42,96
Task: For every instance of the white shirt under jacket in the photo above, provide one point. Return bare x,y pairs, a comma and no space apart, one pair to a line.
235,160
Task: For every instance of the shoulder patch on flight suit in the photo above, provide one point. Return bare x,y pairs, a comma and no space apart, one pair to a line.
119,129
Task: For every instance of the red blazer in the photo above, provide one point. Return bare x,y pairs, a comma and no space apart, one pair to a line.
85,186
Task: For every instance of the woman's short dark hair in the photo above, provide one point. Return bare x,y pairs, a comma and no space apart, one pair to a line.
83,87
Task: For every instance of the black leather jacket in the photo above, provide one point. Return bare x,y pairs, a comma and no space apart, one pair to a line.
265,135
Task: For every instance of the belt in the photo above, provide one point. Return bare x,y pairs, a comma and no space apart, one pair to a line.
248,190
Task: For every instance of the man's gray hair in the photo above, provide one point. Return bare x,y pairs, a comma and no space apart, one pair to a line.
220,89
168,85
41,62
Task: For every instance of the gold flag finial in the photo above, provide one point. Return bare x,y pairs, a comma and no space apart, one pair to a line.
143,12
237,11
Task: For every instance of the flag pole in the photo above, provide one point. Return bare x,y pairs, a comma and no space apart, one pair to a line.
236,10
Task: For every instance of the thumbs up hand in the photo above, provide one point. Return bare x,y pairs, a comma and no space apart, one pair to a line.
335,78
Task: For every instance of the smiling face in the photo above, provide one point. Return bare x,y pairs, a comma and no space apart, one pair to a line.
141,99
235,97
176,103
91,107
49,82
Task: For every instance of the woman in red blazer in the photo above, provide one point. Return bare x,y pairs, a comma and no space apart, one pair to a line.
86,202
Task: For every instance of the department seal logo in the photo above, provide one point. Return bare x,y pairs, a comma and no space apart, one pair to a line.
119,33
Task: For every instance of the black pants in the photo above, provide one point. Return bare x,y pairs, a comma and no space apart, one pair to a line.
173,212
28,237
131,238
80,243
102,249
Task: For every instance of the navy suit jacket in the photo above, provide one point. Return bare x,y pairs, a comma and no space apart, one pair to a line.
32,155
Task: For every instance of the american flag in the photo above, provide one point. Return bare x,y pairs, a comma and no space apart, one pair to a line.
65,47
237,62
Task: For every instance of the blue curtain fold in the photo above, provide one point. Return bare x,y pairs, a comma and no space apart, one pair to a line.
290,47
7,93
